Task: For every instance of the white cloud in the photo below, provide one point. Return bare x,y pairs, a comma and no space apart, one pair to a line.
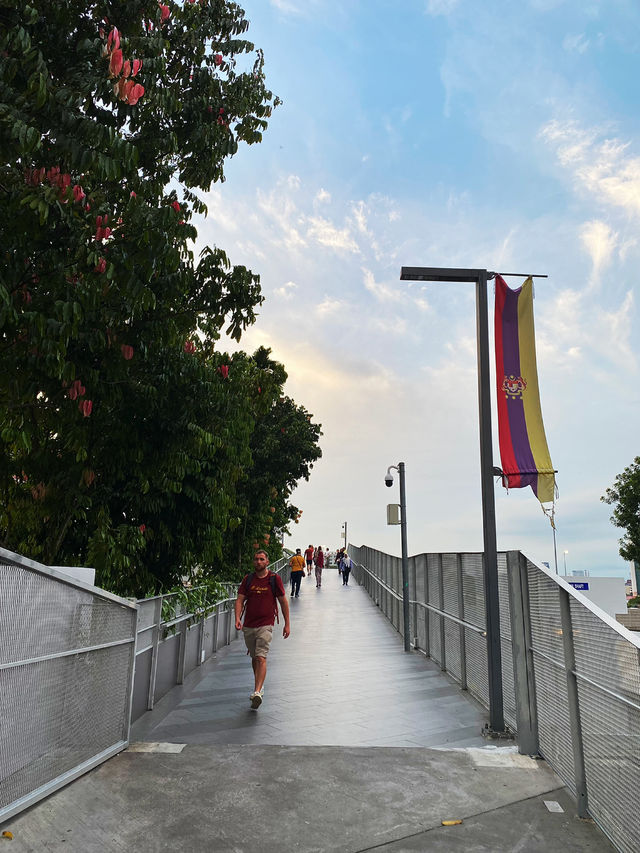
600,241
325,232
577,43
330,307
323,196
286,291
600,165
382,292
441,7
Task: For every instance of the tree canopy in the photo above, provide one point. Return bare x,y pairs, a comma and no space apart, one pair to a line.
128,439
624,496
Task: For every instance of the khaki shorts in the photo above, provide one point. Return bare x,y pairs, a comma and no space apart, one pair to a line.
257,640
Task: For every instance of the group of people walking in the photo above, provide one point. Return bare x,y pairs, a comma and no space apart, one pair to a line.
317,558
260,593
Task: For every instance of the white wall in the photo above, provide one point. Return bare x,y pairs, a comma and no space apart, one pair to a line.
78,573
607,593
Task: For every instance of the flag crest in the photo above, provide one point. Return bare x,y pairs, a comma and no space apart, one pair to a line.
523,443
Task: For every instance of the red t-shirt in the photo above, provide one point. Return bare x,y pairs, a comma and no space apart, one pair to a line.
261,605
308,555
320,559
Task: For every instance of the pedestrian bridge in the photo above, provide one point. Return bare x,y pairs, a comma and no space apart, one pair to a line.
357,746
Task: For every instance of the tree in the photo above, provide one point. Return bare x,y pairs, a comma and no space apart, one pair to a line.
624,496
123,431
283,447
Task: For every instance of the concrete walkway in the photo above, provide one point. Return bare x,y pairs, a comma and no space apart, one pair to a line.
357,747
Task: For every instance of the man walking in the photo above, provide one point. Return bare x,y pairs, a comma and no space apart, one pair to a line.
308,555
297,572
258,598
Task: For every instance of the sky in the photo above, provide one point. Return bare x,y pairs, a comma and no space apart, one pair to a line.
453,133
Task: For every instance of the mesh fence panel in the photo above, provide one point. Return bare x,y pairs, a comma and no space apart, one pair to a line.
552,702
452,649
508,685
610,724
58,710
473,586
477,673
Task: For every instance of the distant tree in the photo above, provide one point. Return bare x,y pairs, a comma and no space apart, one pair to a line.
624,496
284,446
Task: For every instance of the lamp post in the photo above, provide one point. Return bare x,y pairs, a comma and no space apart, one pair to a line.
564,554
492,603
403,538
344,532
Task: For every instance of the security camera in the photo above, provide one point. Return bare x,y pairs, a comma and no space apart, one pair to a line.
388,479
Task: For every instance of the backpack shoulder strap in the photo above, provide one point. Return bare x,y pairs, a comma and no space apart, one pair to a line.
273,583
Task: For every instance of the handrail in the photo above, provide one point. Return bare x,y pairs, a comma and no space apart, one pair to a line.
455,619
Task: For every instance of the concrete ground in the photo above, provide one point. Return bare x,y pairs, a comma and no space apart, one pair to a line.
358,746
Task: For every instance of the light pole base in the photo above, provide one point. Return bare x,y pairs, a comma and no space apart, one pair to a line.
492,734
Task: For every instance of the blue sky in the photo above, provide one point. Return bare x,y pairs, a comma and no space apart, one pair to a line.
445,133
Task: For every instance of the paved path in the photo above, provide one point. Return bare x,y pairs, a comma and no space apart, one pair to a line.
340,679
339,759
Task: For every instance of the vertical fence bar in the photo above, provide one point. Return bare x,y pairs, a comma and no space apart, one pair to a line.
427,624
157,621
214,628
575,723
201,636
463,639
443,640
182,652
523,674
413,595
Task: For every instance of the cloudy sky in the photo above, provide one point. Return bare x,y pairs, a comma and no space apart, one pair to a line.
449,133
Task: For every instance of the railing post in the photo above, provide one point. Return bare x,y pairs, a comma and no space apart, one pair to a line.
182,651
201,643
575,723
414,581
229,621
157,621
427,623
443,652
463,639
214,628
521,649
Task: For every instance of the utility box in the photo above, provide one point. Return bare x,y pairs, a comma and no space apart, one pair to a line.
393,514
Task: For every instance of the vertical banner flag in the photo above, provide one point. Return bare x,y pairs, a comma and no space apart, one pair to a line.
523,444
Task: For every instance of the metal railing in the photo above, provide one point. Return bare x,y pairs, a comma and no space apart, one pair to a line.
571,674
168,650
67,652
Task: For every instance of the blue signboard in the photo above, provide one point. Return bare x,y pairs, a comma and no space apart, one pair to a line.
579,585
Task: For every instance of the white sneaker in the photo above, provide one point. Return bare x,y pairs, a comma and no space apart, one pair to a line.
256,699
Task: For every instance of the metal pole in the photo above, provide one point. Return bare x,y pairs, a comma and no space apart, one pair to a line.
555,549
405,562
492,604
573,701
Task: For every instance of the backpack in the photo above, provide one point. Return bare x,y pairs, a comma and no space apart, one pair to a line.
272,584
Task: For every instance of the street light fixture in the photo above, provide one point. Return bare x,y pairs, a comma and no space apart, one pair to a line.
492,602
564,554
388,481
